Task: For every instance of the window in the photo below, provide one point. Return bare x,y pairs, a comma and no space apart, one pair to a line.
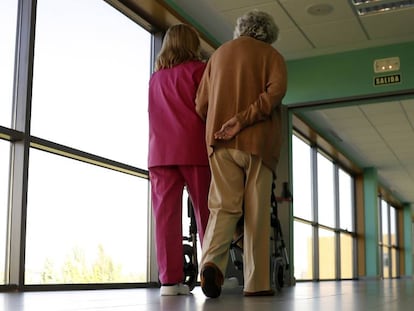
90,80
393,241
8,21
346,256
302,176
86,224
303,252
323,245
326,192
388,239
4,186
345,201
346,224
327,264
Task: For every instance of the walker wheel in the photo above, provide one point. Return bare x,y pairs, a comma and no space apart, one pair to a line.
278,274
190,267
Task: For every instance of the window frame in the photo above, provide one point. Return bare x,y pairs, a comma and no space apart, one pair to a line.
316,149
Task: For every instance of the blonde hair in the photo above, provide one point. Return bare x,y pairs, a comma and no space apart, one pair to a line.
181,43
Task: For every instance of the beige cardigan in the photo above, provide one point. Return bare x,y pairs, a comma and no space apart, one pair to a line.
247,78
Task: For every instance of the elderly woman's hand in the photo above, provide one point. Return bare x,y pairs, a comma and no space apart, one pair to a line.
228,129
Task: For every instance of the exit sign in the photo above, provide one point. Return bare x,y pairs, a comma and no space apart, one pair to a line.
385,80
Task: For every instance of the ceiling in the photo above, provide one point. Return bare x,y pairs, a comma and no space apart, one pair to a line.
379,135
307,27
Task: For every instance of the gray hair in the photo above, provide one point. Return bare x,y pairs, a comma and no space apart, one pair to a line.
257,24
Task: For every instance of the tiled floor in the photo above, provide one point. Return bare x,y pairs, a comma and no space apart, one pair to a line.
327,296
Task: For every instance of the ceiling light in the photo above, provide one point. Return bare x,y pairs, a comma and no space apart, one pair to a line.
320,9
364,7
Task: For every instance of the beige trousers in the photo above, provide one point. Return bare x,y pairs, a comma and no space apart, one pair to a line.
240,181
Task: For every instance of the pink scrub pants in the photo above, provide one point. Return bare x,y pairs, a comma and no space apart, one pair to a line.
167,185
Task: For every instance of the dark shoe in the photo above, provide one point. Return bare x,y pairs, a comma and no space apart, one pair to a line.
211,280
269,292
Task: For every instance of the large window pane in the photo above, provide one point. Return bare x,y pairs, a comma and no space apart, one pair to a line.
393,226
326,193
302,178
303,251
4,186
347,258
393,241
90,81
385,262
384,223
345,201
394,262
326,254
85,224
8,22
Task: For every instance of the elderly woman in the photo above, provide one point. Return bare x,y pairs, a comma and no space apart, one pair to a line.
240,98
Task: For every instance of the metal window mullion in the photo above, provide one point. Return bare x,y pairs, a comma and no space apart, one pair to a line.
152,267
354,221
16,231
337,226
380,242
315,193
397,242
389,246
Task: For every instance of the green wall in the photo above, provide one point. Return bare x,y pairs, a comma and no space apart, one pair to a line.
371,223
408,242
349,74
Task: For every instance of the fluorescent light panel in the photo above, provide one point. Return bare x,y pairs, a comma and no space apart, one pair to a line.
364,7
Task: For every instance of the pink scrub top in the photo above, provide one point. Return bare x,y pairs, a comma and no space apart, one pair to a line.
176,131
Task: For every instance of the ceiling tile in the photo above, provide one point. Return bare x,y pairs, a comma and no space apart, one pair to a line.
291,41
298,11
393,23
342,112
381,108
282,20
225,5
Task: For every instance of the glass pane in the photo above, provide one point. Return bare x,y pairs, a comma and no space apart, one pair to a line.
385,262
90,80
347,259
384,223
8,22
302,189
394,262
393,226
326,254
85,224
303,251
345,201
326,194
4,186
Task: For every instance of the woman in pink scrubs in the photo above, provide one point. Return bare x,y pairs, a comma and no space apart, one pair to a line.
177,151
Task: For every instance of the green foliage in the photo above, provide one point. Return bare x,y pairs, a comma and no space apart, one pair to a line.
48,274
104,270
76,270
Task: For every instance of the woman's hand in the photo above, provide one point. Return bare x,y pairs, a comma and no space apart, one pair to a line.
228,130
